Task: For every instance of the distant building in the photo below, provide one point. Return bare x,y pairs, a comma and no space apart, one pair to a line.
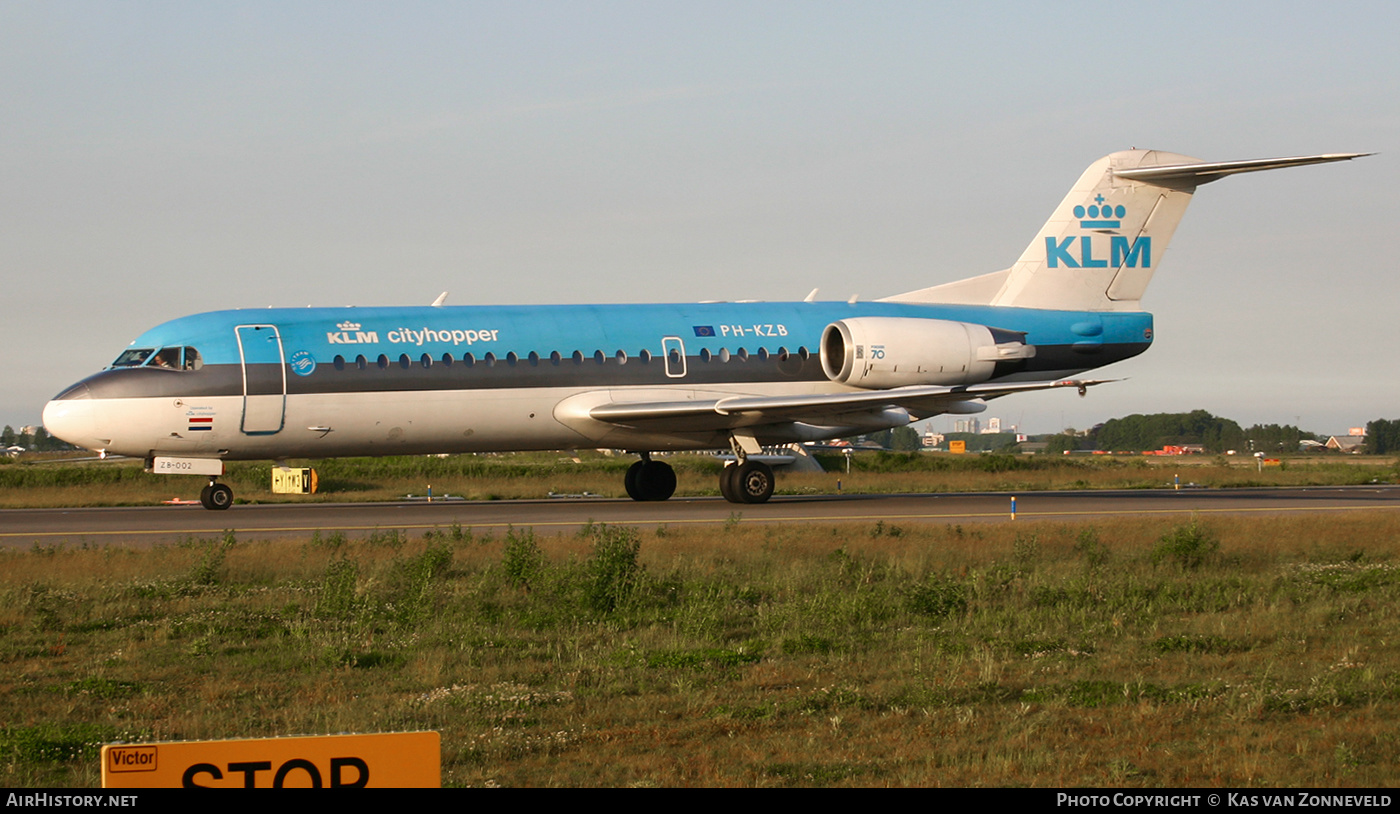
1347,443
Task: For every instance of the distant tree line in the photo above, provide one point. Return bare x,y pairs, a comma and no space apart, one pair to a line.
1143,432
1136,433
1383,437
39,441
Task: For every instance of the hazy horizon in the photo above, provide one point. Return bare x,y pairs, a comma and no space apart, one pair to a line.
162,159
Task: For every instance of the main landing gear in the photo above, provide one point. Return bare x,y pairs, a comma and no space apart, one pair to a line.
650,480
216,496
744,481
747,480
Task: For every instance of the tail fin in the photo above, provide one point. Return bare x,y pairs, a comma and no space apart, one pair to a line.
1099,248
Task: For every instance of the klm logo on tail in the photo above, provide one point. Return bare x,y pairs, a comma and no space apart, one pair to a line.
1121,250
1112,215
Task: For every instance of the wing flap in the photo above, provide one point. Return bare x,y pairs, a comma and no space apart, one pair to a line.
828,409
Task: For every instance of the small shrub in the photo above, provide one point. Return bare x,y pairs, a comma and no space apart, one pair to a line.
334,541
337,599
1025,551
1189,546
613,570
524,561
387,538
1088,546
938,597
211,564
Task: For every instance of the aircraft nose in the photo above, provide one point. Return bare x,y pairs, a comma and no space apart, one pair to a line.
70,417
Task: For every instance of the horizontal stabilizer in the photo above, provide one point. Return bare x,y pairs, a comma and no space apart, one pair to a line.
1203,172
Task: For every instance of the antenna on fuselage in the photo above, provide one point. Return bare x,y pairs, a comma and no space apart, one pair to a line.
811,297
442,298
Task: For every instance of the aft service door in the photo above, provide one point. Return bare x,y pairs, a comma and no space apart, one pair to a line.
264,379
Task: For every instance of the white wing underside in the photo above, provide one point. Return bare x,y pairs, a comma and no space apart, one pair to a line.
822,409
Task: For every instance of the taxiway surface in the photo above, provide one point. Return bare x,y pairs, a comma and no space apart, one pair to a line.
144,525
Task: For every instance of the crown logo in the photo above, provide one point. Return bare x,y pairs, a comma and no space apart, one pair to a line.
1099,215
349,326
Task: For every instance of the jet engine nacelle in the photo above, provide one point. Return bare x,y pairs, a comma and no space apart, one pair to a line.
880,352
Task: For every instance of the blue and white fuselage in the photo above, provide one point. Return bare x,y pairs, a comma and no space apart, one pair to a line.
326,382
322,382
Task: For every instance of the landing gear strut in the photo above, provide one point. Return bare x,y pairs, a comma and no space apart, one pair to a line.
216,496
650,480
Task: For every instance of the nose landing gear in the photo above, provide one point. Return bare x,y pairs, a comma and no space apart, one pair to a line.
216,496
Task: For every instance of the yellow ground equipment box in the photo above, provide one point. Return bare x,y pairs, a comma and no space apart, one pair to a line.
293,481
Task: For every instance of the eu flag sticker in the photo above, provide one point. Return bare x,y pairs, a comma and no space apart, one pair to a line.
704,330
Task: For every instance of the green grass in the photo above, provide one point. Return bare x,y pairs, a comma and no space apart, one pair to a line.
536,475
1126,652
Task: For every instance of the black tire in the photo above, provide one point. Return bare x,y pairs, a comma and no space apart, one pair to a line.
656,480
753,483
216,496
728,483
632,481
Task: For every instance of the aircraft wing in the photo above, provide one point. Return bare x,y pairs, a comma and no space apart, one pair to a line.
826,409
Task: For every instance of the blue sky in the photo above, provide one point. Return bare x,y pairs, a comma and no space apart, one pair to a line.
160,159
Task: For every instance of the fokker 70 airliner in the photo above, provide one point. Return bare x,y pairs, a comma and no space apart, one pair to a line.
195,392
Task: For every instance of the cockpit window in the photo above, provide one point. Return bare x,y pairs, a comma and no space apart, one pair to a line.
133,357
176,358
172,358
168,358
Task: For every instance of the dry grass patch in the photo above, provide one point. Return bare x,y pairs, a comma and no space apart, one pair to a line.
1126,652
